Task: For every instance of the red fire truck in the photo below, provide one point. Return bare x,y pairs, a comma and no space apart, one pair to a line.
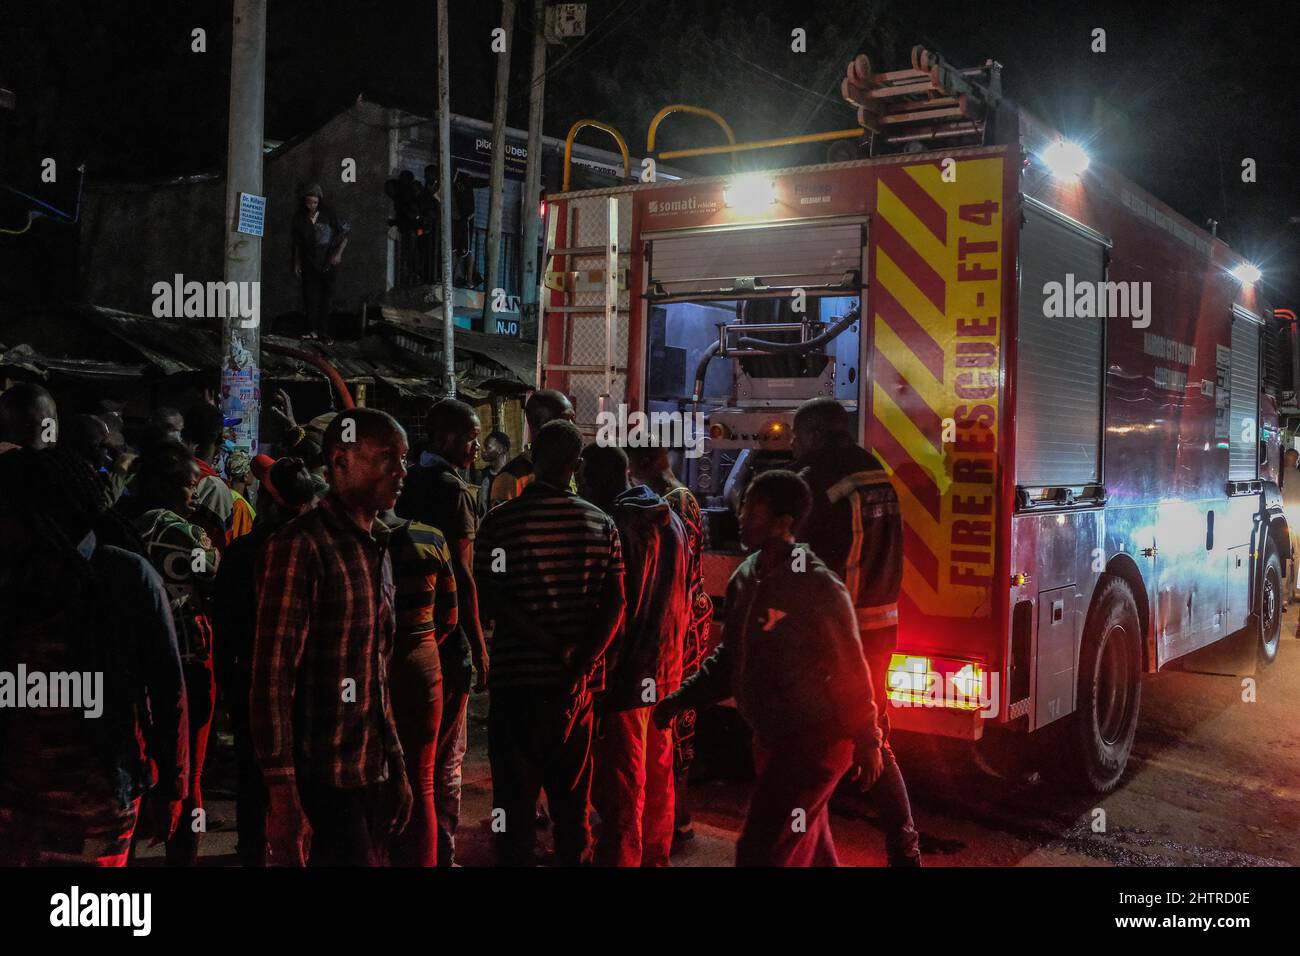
1060,373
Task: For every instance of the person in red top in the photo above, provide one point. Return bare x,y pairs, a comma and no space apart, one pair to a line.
650,466
632,788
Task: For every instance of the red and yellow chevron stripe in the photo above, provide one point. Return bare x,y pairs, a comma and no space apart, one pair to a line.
935,306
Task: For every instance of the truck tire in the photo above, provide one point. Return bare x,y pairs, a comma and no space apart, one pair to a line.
1269,607
1110,690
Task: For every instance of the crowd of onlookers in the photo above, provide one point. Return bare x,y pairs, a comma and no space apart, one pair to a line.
342,601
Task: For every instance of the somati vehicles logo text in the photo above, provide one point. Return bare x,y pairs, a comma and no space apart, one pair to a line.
692,204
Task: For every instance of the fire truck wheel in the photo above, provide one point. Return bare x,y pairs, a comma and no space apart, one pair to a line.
1270,605
1110,669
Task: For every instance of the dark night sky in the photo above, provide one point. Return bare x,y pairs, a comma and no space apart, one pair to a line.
1182,95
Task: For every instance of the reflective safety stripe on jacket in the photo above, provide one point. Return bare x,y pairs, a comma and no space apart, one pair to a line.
877,616
850,487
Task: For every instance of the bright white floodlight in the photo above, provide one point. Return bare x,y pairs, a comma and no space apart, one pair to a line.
1247,273
750,195
1065,160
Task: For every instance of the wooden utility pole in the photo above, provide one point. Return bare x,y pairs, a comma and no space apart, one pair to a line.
241,373
533,178
497,191
444,178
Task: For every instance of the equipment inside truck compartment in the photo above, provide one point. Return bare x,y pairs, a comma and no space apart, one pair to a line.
746,364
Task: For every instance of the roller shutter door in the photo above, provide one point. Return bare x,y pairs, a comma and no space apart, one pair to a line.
803,255
1243,401
1058,360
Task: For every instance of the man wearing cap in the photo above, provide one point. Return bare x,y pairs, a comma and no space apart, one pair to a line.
319,238
544,405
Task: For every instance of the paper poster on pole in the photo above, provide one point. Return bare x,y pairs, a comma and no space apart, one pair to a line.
240,402
252,214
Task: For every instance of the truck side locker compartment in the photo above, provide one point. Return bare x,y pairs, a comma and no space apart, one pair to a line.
1236,657
1019,667
1238,593
1056,643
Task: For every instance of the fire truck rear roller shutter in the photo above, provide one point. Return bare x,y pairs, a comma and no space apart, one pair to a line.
1243,398
785,256
1059,360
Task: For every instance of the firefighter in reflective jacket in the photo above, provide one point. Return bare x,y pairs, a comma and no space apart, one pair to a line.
856,529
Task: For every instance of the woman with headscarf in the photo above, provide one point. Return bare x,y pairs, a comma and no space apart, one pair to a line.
239,471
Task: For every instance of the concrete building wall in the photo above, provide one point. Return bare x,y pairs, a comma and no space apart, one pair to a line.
135,235
361,133
132,237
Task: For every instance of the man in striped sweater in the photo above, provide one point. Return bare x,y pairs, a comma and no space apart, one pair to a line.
549,566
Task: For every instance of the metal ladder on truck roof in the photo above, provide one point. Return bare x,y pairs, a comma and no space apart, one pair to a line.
582,343
929,103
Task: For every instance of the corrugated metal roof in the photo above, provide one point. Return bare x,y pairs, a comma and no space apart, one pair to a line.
173,347
26,359
504,358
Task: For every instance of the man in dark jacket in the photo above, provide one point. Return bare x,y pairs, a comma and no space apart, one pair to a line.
856,528
72,774
791,656
632,789
319,238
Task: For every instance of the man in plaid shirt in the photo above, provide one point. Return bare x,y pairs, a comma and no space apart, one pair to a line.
322,716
